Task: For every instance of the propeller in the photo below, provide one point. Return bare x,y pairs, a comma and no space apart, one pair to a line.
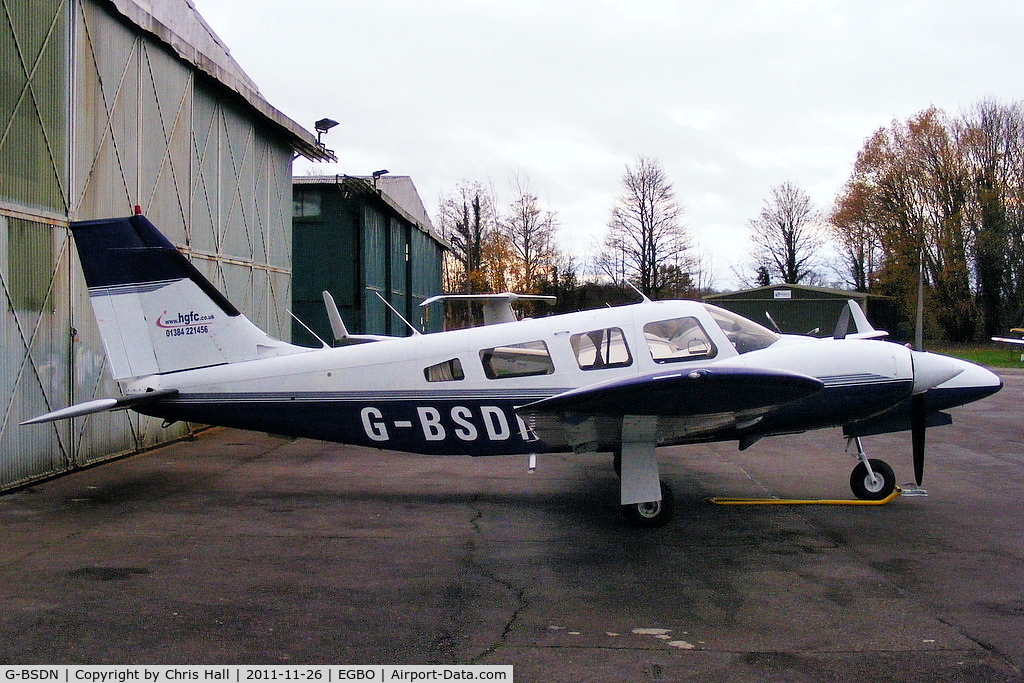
930,370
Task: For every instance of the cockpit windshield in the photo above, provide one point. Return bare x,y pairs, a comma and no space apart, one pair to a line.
745,335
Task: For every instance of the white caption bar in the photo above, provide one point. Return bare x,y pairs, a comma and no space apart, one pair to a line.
124,673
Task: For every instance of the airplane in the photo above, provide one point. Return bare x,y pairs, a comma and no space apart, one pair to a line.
1019,341
625,380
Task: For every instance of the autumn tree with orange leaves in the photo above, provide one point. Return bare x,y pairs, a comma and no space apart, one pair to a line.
940,197
497,250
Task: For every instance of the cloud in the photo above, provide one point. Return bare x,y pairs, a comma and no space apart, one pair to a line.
732,97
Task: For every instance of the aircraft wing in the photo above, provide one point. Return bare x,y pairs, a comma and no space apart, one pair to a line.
685,392
1009,340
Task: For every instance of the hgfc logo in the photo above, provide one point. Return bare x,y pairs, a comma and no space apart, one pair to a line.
177,320
184,324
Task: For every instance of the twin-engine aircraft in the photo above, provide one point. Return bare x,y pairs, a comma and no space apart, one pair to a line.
623,380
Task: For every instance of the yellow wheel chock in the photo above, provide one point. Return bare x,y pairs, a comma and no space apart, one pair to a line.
784,501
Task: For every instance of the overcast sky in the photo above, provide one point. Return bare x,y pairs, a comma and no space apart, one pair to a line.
732,97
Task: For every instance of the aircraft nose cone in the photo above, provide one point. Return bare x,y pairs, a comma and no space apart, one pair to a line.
932,369
966,382
975,377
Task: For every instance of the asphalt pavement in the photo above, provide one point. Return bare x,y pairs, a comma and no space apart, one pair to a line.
241,547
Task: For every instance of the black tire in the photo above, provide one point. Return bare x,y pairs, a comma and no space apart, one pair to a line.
862,486
651,515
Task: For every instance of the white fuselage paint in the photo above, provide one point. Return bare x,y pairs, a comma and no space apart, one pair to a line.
395,405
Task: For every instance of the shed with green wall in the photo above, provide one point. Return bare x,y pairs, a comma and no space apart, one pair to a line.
363,239
803,309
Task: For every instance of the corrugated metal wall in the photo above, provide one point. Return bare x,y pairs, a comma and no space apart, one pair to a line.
35,338
426,279
35,345
398,233
143,129
34,104
323,224
374,269
796,309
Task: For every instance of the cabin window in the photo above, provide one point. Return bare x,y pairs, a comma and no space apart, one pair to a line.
745,335
517,360
448,371
678,339
600,349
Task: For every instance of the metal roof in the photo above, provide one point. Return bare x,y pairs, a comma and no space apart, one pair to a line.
178,24
397,191
810,289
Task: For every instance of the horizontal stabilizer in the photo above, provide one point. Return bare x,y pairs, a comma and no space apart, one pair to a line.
102,405
691,391
497,307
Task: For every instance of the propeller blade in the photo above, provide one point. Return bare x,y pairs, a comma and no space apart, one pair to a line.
918,417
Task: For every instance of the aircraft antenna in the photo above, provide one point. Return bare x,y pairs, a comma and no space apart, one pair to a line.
391,308
306,327
637,290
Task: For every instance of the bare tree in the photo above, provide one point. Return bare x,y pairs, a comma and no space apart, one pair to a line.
645,242
703,272
755,273
468,222
787,236
530,231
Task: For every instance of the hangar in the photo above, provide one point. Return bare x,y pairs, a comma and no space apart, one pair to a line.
359,237
803,309
106,105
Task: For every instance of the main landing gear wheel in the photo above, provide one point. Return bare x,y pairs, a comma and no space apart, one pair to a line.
653,514
880,488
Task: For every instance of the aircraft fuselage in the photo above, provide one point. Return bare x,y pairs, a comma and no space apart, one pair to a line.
401,394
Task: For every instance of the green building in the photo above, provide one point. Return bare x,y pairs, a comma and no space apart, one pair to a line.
364,240
802,309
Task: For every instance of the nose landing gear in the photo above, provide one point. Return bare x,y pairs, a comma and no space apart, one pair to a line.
871,479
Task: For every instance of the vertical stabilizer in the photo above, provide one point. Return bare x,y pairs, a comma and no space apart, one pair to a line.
155,311
860,321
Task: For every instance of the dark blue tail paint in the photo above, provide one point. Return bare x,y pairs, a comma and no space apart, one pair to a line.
119,252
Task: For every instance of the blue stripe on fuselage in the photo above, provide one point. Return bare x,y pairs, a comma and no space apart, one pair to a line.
449,426
472,422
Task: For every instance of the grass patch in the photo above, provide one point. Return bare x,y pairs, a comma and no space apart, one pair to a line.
992,354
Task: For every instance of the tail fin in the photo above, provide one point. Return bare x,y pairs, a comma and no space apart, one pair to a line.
156,312
864,328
